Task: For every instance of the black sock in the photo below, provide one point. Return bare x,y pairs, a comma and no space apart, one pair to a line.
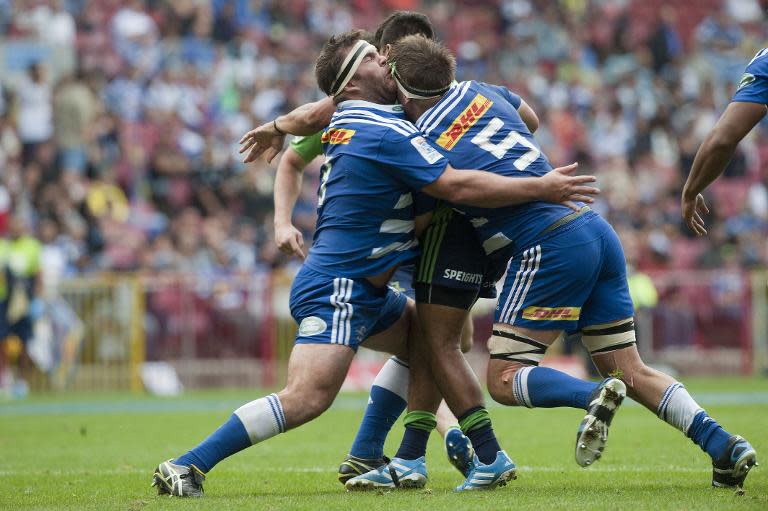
476,424
414,444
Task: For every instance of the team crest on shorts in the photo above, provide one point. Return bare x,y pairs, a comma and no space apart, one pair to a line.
312,326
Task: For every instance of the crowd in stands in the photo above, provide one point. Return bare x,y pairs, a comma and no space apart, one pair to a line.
120,120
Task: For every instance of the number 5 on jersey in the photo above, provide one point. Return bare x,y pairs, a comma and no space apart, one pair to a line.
499,150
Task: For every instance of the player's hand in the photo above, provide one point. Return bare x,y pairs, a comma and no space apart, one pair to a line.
561,186
693,211
289,240
262,140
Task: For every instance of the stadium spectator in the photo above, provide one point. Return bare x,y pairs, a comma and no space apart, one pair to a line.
164,90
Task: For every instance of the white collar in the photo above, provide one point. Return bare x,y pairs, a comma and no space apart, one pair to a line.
427,112
352,103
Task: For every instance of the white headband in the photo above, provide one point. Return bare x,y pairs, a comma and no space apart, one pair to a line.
349,67
412,92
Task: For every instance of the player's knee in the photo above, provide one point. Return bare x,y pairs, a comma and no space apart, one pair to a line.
306,402
500,381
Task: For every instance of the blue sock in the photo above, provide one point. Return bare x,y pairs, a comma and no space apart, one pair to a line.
708,435
231,437
384,407
385,404
542,387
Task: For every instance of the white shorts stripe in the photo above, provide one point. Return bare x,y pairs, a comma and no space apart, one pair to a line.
349,311
524,261
334,302
518,306
523,284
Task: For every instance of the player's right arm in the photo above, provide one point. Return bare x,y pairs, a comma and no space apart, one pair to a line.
489,190
288,180
746,109
268,139
419,165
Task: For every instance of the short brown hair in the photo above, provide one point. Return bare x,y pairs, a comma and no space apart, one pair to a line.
331,57
423,63
400,24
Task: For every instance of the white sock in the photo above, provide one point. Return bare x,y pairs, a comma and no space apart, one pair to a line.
678,408
263,418
520,386
393,376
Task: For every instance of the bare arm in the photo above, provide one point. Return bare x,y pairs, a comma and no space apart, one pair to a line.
528,116
488,190
288,180
305,120
713,156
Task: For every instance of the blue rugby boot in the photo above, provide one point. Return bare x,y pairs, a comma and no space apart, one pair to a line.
731,469
487,477
593,430
399,473
459,450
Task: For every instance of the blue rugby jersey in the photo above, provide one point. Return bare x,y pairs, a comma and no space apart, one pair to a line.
753,87
477,126
374,159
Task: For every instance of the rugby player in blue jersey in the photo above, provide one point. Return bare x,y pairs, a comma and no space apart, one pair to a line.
566,273
375,158
746,109
389,390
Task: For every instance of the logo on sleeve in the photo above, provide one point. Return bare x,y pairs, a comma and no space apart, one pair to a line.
312,326
426,151
746,79
464,121
337,136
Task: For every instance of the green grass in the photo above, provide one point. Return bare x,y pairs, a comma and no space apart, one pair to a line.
97,452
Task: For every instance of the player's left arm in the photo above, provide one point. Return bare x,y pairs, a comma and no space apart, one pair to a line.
269,138
525,111
528,116
713,156
488,190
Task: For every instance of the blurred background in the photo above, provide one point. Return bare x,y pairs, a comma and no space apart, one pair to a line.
137,251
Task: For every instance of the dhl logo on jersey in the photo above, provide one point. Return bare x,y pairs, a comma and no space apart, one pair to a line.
464,121
337,136
551,313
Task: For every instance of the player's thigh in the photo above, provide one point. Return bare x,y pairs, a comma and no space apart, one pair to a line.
315,375
391,332
441,325
318,367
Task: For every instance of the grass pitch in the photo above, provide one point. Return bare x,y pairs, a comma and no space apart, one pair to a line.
97,452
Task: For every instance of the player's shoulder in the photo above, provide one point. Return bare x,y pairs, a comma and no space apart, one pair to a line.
758,66
372,122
